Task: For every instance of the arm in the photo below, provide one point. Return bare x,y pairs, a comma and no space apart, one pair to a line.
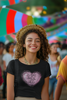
45,93
10,86
4,65
58,88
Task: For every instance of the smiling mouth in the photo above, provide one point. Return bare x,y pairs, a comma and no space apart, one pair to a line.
33,47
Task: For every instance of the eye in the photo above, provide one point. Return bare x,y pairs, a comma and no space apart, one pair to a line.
37,41
29,40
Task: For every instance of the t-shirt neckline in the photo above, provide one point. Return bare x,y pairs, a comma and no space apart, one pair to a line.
30,65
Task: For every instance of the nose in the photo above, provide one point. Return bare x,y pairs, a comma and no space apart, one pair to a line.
33,41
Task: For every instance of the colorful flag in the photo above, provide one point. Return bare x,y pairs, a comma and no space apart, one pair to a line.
10,2
11,21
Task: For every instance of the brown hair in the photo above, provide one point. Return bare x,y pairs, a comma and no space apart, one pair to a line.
21,35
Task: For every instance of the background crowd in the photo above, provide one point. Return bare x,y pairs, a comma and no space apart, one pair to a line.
58,52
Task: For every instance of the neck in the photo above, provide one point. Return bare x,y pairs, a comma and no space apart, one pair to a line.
31,58
0,53
12,53
53,54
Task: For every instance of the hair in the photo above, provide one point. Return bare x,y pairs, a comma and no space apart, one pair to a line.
2,44
21,35
59,43
64,46
8,46
52,44
57,54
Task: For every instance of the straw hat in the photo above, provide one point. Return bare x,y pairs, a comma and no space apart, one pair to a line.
25,29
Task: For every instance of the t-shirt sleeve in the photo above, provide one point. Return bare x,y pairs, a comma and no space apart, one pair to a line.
10,67
48,72
62,72
4,57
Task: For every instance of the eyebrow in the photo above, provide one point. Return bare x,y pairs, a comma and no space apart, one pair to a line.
36,38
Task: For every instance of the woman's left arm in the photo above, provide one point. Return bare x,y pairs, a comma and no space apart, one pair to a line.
45,90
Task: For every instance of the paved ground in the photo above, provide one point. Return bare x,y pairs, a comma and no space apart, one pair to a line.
63,94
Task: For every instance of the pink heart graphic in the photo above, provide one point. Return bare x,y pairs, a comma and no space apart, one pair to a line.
31,78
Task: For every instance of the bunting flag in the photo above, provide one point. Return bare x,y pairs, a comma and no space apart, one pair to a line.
62,28
9,38
10,2
11,21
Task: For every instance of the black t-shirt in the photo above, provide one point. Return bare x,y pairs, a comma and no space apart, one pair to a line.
30,78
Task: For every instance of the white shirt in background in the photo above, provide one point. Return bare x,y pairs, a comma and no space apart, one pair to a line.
53,67
7,58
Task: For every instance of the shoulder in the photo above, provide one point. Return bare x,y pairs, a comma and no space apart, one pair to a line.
11,67
45,63
63,64
6,55
64,60
45,66
12,61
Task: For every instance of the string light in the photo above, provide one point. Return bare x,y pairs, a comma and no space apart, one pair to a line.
28,8
44,12
44,7
65,0
36,13
65,8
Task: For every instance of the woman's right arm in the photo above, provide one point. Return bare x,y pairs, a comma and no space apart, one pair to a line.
10,86
58,88
4,65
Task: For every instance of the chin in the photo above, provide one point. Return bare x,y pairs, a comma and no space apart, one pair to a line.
33,51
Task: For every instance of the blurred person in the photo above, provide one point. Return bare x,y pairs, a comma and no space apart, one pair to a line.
1,78
62,78
1,54
1,62
30,70
63,52
54,61
6,58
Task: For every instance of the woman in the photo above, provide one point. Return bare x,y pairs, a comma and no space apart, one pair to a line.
62,78
54,61
30,69
6,58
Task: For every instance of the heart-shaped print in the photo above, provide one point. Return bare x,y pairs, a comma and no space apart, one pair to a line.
31,78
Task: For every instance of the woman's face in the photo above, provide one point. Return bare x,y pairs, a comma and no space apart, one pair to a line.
11,48
54,48
1,49
32,43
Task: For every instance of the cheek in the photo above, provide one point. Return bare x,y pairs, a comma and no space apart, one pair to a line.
51,49
40,45
27,44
